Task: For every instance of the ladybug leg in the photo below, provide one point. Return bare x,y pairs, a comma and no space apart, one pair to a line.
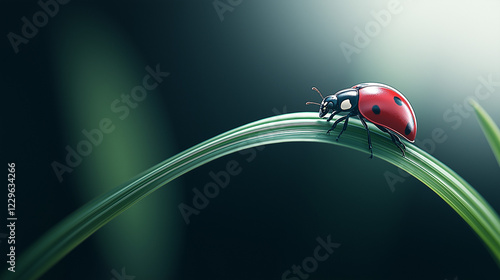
395,139
331,116
335,124
344,127
368,133
401,144
398,143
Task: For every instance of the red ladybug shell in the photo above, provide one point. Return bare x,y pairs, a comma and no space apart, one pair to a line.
387,107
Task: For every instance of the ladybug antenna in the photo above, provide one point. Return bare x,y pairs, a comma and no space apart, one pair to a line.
315,89
314,103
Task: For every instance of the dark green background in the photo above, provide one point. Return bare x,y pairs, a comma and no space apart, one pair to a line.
262,59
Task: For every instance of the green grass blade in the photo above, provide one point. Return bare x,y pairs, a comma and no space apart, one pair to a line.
490,129
295,127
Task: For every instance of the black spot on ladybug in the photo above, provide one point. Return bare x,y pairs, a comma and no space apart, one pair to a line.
376,109
398,101
409,128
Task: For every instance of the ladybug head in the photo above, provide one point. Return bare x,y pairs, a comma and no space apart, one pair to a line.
328,104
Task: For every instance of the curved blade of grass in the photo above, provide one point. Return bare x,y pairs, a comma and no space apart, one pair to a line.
489,127
295,127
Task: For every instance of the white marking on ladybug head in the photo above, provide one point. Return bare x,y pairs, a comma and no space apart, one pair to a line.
345,105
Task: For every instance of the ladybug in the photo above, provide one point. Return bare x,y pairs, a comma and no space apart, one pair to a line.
380,104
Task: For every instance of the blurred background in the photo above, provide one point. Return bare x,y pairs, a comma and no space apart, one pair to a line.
70,69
